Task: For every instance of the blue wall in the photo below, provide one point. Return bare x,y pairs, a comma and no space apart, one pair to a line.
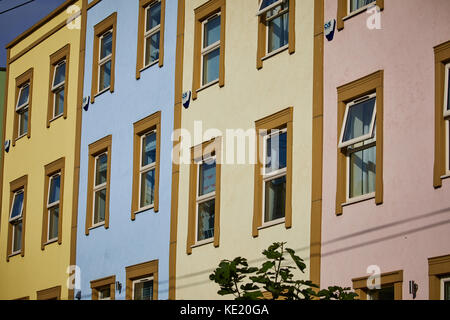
106,252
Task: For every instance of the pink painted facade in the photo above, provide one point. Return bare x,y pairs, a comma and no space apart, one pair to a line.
413,223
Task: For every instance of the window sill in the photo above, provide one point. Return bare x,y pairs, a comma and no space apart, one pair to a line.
20,137
56,118
359,11
97,226
202,243
359,199
275,52
50,242
149,66
210,84
446,176
102,92
14,254
144,209
272,223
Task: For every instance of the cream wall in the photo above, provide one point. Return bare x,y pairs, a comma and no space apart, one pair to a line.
248,95
38,270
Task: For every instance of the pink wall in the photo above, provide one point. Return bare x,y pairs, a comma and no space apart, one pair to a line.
413,224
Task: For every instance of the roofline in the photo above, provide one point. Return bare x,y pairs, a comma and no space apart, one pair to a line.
39,24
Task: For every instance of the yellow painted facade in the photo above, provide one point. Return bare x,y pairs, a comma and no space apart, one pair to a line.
286,80
37,269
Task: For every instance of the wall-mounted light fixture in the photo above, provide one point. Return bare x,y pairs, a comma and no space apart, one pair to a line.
413,287
118,286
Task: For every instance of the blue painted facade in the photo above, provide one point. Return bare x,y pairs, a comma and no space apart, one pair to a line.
107,252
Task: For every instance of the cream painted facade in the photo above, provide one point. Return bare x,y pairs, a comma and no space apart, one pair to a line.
37,269
286,80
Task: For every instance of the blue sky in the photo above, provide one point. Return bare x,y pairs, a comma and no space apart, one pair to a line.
14,22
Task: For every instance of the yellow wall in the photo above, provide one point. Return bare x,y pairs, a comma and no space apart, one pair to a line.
38,270
248,95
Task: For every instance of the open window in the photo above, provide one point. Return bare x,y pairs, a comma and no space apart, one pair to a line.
105,61
22,110
59,80
16,221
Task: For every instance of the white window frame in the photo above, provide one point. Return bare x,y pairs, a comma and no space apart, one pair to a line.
262,11
204,198
103,61
146,279
21,109
148,34
145,169
356,11
52,205
443,281
344,123
58,87
16,220
210,48
268,20
99,187
271,176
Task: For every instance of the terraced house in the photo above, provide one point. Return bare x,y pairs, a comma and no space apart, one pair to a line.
386,136
125,159
38,160
250,68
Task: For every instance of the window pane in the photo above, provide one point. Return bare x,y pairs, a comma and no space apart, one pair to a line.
275,199
152,48
99,206
211,32
17,241
143,290
211,63
359,119
104,293
205,225
23,122
278,32
266,3
59,102
448,90
356,4
60,74
106,45
101,167
149,149
24,95
53,222
55,183
17,205
386,293
276,152
105,76
447,290
147,188
362,172
154,16
207,178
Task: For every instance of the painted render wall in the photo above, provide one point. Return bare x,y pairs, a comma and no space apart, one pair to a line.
248,95
412,224
107,252
2,100
20,276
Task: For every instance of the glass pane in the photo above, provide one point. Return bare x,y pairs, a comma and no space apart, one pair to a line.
55,183
266,3
356,4
23,122
205,226
99,206
101,168
105,76
147,188
60,74
154,16
143,290
24,94
448,90
104,293
211,32
106,45
359,119
386,293
207,178
17,241
278,32
53,222
276,152
152,48
59,102
149,149
275,199
362,172
447,290
211,63
17,205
